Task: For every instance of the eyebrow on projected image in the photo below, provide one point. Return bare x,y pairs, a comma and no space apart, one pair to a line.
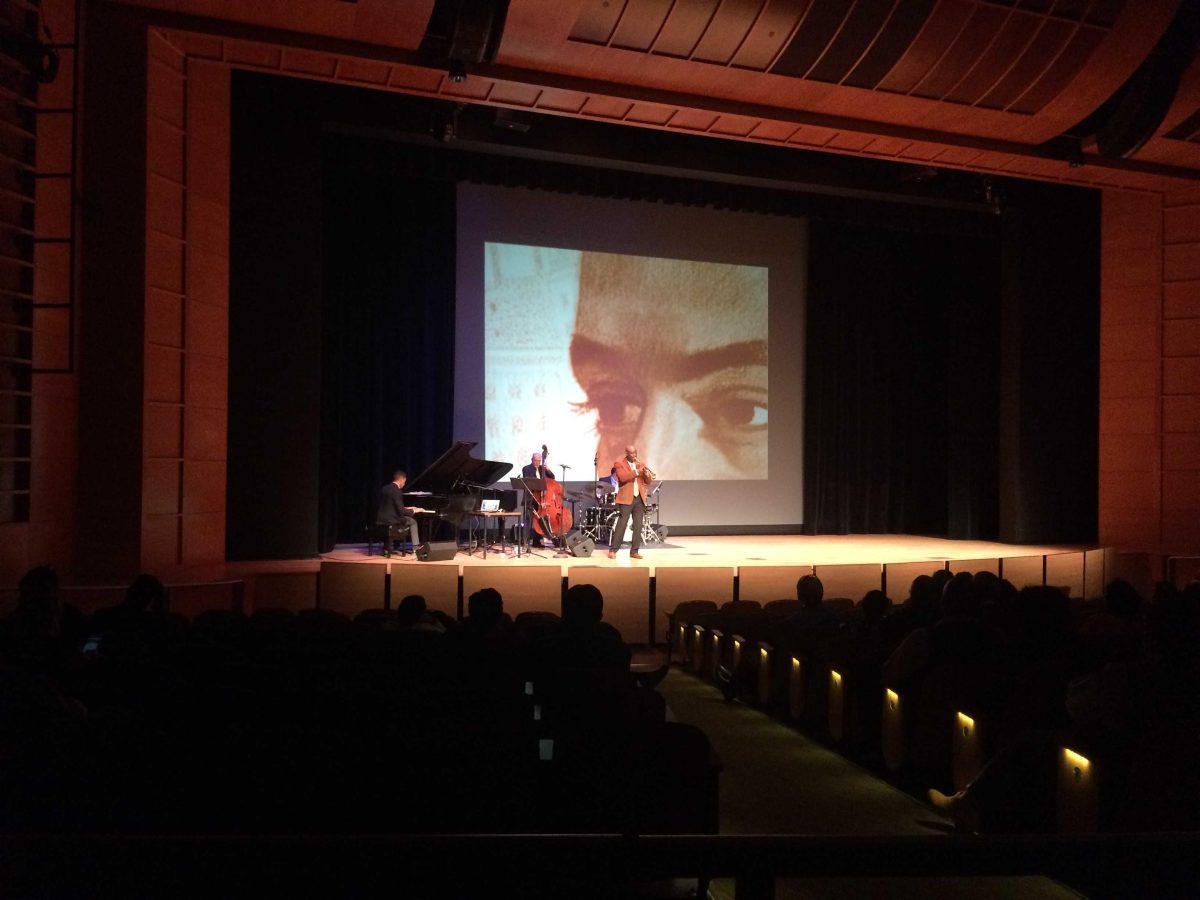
671,356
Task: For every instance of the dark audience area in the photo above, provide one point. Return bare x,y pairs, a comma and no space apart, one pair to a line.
1024,675
137,720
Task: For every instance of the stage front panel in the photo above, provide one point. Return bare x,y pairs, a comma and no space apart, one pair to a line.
525,589
1066,570
678,584
975,565
349,588
766,583
1023,571
898,577
851,581
437,584
626,598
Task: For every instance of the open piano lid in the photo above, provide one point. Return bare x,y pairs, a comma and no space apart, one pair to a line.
456,469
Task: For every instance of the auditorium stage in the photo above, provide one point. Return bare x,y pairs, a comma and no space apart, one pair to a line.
739,550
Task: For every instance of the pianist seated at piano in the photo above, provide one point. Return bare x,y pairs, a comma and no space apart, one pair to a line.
395,515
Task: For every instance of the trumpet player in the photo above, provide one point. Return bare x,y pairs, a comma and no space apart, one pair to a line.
634,479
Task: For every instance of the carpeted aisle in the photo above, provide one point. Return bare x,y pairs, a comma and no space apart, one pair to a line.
776,781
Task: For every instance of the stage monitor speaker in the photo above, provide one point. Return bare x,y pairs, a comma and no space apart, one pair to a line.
435,551
580,545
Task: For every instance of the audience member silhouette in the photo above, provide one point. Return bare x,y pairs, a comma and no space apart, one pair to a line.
412,615
813,620
585,640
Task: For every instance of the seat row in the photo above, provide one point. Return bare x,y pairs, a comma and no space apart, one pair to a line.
845,703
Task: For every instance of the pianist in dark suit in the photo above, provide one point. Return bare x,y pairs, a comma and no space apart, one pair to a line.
394,514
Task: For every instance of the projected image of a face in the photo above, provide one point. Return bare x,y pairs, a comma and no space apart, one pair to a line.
672,357
592,352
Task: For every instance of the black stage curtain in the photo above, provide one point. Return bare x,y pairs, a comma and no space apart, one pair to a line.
388,332
902,387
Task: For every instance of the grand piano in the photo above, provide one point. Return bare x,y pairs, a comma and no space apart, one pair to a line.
452,487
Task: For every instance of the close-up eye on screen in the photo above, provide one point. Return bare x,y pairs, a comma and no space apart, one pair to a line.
592,352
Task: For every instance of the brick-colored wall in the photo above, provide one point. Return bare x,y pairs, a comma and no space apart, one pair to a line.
1150,372
1181,373
48,536
187,294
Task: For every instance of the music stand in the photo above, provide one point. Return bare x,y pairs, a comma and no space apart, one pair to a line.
527,486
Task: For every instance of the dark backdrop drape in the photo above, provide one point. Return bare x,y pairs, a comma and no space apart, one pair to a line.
388,330
942,395
902,382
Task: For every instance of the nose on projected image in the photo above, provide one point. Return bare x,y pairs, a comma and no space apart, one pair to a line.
690,387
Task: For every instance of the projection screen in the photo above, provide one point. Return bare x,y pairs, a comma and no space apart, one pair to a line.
588,325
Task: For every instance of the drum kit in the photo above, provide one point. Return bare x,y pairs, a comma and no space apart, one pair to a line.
597,522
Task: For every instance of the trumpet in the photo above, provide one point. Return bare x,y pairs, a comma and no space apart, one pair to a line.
650,472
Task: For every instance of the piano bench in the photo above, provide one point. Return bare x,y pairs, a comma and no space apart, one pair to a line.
378,534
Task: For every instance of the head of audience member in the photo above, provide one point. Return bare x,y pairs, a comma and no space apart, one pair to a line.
958,596
39,607
583,607
987,587
146,594
1043,619
410,610
923,597
810,592
485,609
1122,600
940,577
875,605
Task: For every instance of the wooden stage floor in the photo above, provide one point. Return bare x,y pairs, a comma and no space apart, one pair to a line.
739,550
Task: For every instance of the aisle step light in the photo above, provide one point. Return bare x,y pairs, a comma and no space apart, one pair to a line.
966,751
697,650
735,659
714,654
796,687
894,755
766,673
1078,795
837,697
679,641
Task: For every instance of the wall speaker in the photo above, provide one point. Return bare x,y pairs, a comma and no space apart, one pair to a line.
580,545
435,551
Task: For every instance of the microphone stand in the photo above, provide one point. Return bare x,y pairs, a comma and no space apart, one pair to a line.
562,550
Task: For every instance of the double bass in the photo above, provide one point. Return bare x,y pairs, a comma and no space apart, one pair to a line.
552,517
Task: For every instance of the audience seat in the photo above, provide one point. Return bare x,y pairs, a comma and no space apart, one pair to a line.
895,755
1077,797
679,621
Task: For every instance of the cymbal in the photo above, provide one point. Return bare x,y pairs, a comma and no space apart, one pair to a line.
579,495
604,487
